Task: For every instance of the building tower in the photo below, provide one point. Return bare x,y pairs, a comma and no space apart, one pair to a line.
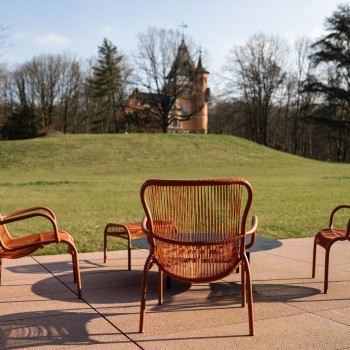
199,100
194,98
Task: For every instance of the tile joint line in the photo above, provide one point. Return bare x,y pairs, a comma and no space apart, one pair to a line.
86,302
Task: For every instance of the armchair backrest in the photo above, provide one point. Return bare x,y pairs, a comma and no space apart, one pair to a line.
197,220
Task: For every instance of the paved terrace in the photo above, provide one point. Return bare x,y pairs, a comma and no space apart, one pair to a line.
39,308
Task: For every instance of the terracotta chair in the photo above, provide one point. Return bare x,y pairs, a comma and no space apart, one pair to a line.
197,232
126,231
326,238
14,248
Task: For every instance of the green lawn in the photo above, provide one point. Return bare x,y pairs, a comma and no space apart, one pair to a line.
90,180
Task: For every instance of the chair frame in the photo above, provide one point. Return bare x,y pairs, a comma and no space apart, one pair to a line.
124,231
148,228
327,243
13,248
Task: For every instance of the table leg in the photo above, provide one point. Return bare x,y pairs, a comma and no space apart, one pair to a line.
168,282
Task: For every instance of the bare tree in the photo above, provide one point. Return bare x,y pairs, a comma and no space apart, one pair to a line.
301,134
226,117
50,85
256,74
70,89
3,36
6,95
42,76
165,69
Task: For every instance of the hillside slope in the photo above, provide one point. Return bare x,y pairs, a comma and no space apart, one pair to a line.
89,180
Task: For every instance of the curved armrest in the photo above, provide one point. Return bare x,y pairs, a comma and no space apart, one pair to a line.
252,232
27,216
348,230
334,211
147,232
29,210
254,226
144,225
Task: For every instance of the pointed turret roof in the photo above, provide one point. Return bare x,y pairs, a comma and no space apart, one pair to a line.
183,61
200,68
183,55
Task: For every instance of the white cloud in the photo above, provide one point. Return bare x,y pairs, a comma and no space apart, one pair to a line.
108,30
52,39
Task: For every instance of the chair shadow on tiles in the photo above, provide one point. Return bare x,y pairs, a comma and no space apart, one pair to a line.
123,286
41,329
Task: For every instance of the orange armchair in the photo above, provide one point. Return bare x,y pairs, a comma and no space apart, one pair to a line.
326,238
14,248
197,233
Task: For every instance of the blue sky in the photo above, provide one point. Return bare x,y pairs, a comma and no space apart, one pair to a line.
79,26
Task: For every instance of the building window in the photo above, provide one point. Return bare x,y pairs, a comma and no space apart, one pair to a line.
186,109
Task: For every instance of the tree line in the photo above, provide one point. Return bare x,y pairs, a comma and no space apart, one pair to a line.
293,99
296,100
92,96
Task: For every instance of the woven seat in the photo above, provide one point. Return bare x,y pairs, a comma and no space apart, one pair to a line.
326,238
197,232
125,231
14,248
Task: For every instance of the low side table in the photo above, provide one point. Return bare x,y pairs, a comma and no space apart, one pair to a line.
125,231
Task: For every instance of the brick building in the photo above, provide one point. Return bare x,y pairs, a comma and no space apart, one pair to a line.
194,99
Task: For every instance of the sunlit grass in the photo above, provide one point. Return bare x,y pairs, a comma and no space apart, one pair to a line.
90,180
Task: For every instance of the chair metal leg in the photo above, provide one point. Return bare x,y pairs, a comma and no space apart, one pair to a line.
160,286
249,296
78,277
148,265
314,260
0,270
129,252
326,269
168,282
105,248
76,271
243,285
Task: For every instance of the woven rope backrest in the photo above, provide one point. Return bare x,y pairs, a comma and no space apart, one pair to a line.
196,214
214,208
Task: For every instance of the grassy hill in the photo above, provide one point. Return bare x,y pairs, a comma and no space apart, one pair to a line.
90,180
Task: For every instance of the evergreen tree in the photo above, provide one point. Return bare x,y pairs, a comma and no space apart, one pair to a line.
21,125
332,58
108,84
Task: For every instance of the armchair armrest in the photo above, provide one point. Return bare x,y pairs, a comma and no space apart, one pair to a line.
29,210
144,225
333,213
347,235
147,232
13,218
252,232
